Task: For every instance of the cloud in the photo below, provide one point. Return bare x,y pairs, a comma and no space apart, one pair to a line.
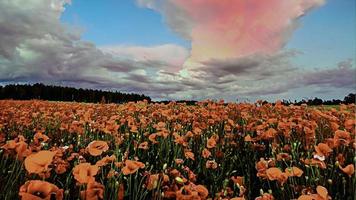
341,76
167,56
36,47
230,28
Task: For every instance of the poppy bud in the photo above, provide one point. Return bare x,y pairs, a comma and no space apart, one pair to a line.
226,182
179,180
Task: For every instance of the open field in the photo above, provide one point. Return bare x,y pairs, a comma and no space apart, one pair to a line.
156,151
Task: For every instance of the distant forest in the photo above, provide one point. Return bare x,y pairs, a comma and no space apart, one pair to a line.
59,93
350,98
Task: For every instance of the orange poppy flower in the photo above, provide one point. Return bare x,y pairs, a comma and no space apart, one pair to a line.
187,193
20,147
202,191
61,166
350,124
238,198
189,155
322,192
265,196
131,167
106,160
269,134
206,153
323,149
349,169
334,126
274,173
294,171
308,197
143,145
85,172
315,162
152,137
96,148
261,167
36,190
210,164
152,181
94,191
212,141
342,137
40,137
37,163
283,156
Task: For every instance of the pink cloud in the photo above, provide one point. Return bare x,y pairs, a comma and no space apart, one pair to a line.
236,28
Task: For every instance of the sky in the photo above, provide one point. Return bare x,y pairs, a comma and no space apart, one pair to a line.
178,49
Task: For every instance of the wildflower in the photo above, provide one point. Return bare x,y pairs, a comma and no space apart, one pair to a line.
202,191
94,191
323,149
261,167
36,189
61,166
206,153
152,138
294,171
40,137
210,164
283,156
349,169
212,141
96,148
265,196
85,172
106,160
152,181
131,167
143,145
38,163
276,174
342,137
322,194
19,146
189,155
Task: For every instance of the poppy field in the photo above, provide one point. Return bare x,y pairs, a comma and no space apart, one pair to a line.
211,150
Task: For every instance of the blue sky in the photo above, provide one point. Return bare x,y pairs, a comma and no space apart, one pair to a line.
120,22
177,49
325,36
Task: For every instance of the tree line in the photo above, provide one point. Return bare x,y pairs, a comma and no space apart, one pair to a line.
348,99
59,93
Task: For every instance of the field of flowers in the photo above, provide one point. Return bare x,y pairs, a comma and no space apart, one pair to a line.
213,150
